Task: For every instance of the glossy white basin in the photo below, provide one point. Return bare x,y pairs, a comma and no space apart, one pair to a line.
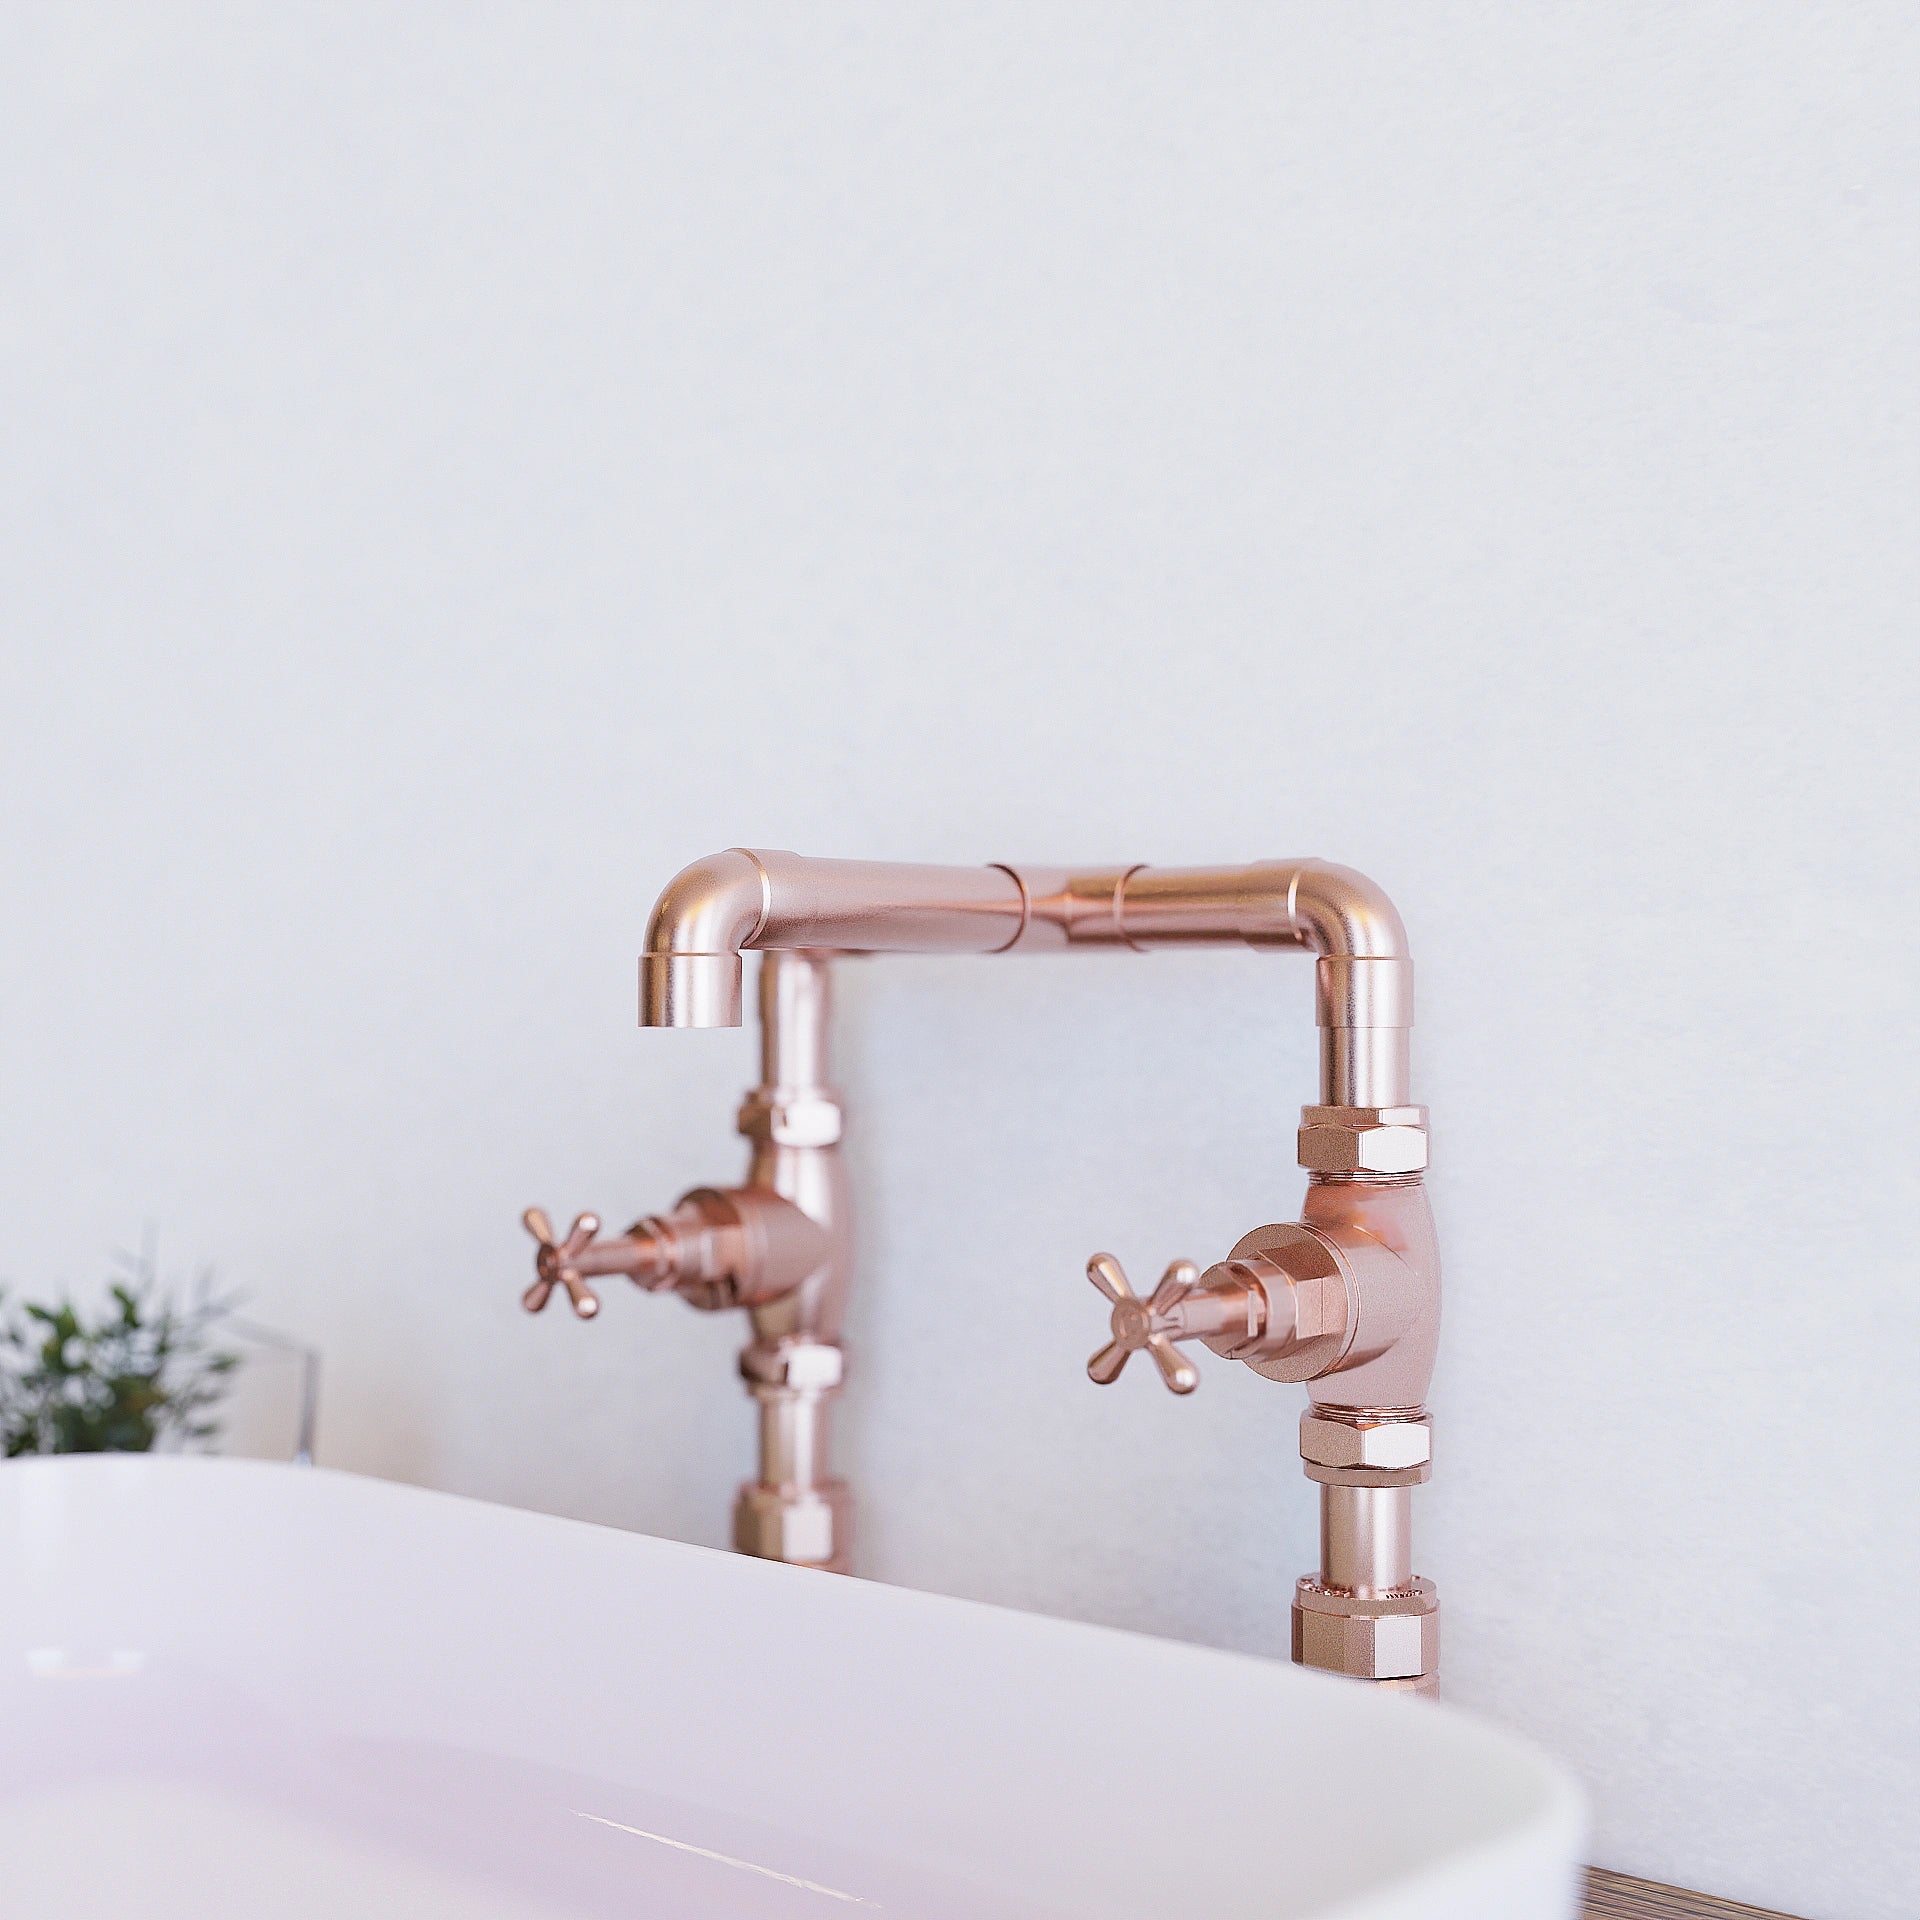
239,1689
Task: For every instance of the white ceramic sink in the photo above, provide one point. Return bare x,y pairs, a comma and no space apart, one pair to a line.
239,1689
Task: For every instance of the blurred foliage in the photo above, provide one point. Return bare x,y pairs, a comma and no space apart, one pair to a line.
144,1368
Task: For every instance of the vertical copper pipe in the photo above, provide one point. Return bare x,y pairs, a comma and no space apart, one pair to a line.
793,1440
795,999
794,1003
1366,1538
1364,1005
795,1509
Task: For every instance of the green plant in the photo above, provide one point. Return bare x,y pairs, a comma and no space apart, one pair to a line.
145,1368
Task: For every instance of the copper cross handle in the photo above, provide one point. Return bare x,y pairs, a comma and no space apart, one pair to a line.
554,1263
1148,1324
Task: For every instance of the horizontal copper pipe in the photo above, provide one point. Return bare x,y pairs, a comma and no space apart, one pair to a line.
746,900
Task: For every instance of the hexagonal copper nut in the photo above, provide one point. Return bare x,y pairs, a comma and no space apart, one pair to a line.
1363,1139
1329,1441
806,1120
802,1366
804,1527
1307,1319
1389,1636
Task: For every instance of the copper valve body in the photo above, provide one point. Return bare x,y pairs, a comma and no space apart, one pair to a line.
1345,1300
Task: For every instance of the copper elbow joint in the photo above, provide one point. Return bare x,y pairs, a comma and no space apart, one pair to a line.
691,973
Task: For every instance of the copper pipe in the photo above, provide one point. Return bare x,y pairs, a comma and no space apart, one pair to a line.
792,1440
712,911
795,1002
742,900
793,1119
1366,1538
795,1509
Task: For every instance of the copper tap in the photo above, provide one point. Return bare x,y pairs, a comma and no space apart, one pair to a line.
1346,1299
776,1246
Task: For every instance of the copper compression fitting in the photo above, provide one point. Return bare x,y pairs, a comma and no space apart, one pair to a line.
1345,1300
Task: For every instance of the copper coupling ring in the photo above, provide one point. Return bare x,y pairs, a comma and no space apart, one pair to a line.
1363,1139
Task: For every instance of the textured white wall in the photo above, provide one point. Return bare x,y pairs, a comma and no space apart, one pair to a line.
459,464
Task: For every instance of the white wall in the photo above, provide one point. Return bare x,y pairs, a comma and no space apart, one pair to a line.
460,464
